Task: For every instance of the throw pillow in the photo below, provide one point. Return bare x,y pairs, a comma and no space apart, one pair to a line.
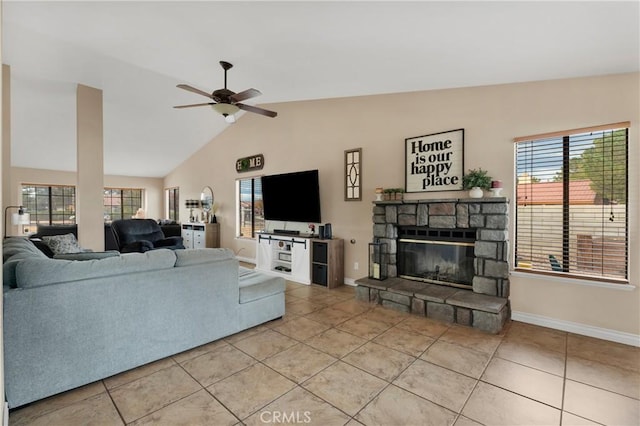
62,244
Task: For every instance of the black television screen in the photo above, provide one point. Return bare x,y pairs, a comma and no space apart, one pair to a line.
292,197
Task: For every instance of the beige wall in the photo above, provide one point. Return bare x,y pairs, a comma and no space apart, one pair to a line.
154,191
314,134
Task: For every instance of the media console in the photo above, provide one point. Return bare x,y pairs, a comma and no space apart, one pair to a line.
302,259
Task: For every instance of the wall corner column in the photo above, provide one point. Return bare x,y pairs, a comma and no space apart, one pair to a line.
90,152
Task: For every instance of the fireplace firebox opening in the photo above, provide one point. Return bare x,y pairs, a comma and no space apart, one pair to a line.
438,256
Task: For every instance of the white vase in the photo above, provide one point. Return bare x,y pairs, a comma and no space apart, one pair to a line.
476,192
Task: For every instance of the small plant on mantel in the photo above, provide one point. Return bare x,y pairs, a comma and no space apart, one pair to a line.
476,178
391,194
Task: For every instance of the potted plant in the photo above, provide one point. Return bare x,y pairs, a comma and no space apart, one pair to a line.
398,193
388,194
475,180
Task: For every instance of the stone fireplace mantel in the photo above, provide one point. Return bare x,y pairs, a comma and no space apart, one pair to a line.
490,293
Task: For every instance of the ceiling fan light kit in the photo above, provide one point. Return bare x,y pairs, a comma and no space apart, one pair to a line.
226,102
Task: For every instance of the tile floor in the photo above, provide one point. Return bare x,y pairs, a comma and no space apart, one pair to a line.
335,361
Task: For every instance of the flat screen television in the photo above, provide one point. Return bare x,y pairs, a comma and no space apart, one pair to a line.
292,197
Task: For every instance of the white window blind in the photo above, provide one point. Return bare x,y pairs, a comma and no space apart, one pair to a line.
571,214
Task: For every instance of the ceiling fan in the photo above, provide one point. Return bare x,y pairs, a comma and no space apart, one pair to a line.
227,102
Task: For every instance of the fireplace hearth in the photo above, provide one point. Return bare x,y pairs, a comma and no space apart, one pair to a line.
446,259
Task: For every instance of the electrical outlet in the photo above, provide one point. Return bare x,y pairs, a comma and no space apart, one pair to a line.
355,266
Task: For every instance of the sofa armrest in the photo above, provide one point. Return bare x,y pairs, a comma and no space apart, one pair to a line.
173,242
137,247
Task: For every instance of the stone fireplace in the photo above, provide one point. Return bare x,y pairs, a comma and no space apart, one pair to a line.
446,259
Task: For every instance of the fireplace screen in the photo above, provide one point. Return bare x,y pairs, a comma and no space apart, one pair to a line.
437,258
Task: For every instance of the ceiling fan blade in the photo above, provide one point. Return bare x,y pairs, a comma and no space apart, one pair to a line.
194,90
247,94
194,105
257,110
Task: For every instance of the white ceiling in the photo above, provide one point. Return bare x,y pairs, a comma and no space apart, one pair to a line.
138,51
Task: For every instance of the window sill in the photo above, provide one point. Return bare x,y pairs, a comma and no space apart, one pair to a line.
577,281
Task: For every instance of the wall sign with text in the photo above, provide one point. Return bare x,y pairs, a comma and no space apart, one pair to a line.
435,162
255,162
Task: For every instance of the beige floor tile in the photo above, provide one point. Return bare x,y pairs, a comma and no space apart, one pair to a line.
197,409
600,406
395,406
491,405
288,316
379,360
298,407
196,352
617,354
96,410
526,381
457,358
302,328
217,364
335,342
404,340
362,327
569,419
472,339
306,291
387,316
27,414
150,393
327,299
303,307
463,421
330,316
543,337
532,356
437,384
136,373
337,385
249,390
234,338
299,362
605,376
265,344
353,306
423,325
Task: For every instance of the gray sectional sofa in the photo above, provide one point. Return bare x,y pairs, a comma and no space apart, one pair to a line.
68,323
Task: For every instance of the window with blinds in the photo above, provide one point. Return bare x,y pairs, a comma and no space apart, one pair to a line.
249,209
571,213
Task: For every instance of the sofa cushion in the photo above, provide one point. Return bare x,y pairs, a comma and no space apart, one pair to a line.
15,245
256,285
38,272
190,257
62,244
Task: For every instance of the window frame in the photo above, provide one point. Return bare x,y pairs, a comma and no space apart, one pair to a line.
34,216
252,209
122,204
566,272
172,193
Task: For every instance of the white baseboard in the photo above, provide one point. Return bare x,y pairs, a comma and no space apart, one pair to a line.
577,328
351,282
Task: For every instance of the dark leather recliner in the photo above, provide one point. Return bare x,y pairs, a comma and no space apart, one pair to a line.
141,235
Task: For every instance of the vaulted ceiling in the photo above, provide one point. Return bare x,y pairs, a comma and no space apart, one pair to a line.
137,52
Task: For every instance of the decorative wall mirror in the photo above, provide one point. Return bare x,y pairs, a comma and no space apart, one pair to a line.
206,200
